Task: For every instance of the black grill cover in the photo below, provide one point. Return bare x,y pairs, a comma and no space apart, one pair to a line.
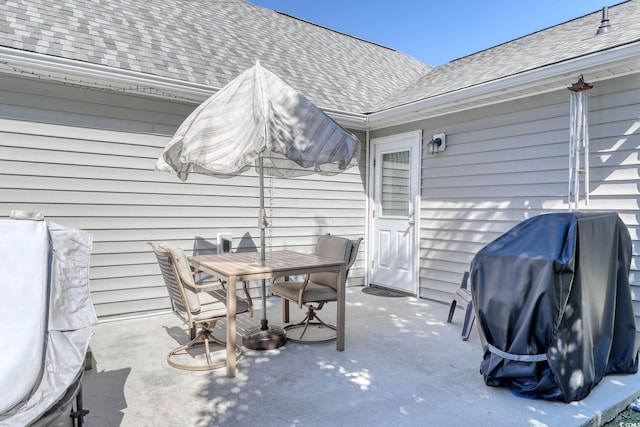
553,304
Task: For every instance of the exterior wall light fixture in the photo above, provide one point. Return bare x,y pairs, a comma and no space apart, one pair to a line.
437,144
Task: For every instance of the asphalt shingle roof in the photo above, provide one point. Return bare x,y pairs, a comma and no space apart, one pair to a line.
572,39
210,42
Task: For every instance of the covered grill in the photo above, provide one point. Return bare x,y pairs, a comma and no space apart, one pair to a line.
553,304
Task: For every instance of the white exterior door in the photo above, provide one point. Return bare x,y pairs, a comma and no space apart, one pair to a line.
395,204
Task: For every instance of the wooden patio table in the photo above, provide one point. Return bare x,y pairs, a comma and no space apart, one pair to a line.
243,266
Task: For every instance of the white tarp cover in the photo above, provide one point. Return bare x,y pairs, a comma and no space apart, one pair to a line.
46,312
24,252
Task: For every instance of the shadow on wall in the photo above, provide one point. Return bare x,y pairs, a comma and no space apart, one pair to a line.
247,244
202,246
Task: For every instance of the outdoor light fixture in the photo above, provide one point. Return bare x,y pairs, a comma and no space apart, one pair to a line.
604,23
437,143
224,243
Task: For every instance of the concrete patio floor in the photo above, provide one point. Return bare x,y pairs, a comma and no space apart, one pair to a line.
403,366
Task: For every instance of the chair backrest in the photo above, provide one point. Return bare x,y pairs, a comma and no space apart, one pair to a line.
174,267
354,252
337,248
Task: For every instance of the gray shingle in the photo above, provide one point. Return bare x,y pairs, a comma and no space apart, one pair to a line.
210,42
573,39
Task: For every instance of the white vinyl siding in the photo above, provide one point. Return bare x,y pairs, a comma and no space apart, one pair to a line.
509,162
90,165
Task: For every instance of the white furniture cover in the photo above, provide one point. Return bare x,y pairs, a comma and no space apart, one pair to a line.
45,312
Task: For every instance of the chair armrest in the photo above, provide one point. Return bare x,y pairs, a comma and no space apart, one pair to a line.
302,289
206,285
298,300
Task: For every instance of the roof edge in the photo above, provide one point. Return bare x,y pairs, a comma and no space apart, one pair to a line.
97,76
469,97
101,77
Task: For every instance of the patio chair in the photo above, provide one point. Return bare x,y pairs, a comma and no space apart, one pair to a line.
318,288
199,306
463,296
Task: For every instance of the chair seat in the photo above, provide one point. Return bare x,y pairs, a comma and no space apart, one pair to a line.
214,304
318,289
464,296
314,292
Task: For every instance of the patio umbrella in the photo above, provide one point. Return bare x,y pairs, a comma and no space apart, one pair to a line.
259,120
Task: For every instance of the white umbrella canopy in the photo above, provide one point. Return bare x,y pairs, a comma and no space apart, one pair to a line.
258,114
257,118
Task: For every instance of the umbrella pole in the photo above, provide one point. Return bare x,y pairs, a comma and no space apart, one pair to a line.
264,323
265,337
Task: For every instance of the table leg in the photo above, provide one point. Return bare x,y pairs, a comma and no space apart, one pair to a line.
340,321
231,327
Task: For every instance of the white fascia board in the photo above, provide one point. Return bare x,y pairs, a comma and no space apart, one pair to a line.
356,121
102,77
81,73
517,83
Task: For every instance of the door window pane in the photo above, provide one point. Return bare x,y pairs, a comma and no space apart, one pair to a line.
395,184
